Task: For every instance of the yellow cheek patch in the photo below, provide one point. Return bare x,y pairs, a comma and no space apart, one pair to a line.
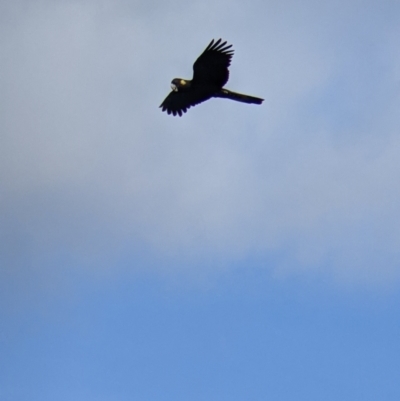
183,82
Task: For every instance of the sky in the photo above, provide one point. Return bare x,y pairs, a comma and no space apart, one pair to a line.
238,252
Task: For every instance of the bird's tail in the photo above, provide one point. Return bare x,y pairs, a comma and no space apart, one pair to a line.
227,94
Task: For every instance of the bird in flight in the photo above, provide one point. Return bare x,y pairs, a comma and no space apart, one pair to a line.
210,74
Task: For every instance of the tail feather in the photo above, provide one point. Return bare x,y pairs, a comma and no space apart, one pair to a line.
227,94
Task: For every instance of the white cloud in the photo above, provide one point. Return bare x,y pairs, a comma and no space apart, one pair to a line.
90,166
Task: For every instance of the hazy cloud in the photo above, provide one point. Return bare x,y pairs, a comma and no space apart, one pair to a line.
90,167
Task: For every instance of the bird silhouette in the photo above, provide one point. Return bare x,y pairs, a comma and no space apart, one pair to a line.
210,74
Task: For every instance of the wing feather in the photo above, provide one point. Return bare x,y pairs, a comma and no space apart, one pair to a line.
177,103
211,67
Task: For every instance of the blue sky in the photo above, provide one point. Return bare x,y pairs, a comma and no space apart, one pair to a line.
238,252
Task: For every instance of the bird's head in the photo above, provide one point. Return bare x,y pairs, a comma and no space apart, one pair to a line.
178,83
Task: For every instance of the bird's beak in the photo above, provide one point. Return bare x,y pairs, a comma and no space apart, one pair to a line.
174,88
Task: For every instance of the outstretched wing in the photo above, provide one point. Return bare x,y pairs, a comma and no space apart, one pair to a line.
211,68
180,102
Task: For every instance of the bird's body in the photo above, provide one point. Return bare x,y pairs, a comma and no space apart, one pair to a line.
210,74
